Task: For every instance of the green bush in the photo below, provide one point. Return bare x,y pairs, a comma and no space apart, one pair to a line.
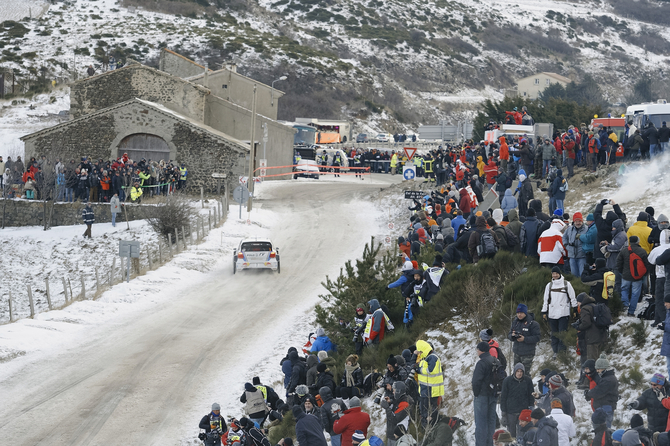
639,333
282,430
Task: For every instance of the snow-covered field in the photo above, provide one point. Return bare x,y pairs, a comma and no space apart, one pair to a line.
17,10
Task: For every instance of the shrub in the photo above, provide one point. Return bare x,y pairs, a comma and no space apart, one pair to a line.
634,377
174,212
282,430
639,334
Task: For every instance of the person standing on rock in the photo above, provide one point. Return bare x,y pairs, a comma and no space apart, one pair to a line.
89,218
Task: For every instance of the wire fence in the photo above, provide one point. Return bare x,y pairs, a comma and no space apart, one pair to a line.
76,287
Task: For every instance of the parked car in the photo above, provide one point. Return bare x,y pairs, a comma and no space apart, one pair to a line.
362,137
254,254
306,169
384,137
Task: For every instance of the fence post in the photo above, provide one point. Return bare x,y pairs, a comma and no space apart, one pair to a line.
64,289
46,280
151,263
209,220
83,287
190,234
202,196
97,280
170,244
30,300
111,273
176,239
11,310
160,253
183,234
123,270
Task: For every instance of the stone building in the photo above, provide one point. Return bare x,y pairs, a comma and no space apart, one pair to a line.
156,115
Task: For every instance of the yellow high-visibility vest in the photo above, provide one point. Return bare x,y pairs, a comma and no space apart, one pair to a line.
434,379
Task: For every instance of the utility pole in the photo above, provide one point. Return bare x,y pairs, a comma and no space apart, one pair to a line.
252,152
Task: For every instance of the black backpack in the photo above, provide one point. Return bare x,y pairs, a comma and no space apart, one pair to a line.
501,357
498,375
487,245
512,240
602,316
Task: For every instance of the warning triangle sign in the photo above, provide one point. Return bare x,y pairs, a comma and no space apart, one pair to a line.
410,151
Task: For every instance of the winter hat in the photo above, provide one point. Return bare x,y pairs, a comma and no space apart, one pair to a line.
249,388
522,308
497,434
302,390
440,236
525,415
498,215
491,222
663,222
438,260
531,212
322,355
599,417
244,422
479,214
216,406
618,434
556,269
400,430
485,335
643,216
556,403
577,216
634,239
355,402
559,172
556,381
581,297
545,372
320,332
590,217
650,210
522,178
407,266
407,354
600,263
358,437
558,212
537,414
297,410
657,379
483,347
288,441
256,381
392,361
602,362
631,437
519,366
321,368
636,420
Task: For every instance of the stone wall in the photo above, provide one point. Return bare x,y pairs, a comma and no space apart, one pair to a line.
178,65
137,81
98,136
31,213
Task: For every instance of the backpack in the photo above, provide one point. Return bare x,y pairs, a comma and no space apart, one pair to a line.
509,182
487,245
501,357
608,285
636,264
564,186
319,400
602,316
498,375
512,240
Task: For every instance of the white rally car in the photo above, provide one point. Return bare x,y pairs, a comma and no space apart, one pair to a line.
256,253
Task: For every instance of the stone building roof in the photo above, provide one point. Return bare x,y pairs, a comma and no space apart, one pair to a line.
158,108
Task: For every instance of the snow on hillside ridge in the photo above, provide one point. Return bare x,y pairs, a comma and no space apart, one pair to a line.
17,10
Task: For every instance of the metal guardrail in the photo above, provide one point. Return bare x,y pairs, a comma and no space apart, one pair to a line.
396,146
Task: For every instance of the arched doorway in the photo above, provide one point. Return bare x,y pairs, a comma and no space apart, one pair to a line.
144,145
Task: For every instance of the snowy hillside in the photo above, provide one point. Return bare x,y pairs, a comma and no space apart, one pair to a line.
395,63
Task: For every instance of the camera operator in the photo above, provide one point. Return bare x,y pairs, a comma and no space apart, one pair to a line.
524,334
214,426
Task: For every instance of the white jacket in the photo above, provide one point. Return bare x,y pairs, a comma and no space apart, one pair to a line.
550,244
566,427
653,255
562,298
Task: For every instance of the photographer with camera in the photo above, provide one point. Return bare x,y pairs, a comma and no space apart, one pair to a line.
524,334
214,426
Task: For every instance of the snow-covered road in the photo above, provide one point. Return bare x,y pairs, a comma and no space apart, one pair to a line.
146,375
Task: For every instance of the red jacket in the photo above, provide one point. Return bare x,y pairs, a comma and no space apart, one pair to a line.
503,153
406,248
353,420
491,170
464,204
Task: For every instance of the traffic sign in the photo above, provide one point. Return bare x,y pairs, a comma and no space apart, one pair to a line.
241,194
263,163
219,176
263,172
390,225
387,240
128,248
243,180
410,151
408,172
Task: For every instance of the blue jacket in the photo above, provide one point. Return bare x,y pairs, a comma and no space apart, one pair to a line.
402,280
589,239
508,202
456,223
665,347
286,369
556,192
323,343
